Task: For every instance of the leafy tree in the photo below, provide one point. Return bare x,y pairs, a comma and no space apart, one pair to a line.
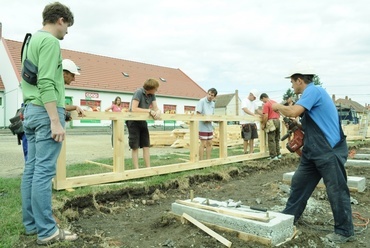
316,80
290,92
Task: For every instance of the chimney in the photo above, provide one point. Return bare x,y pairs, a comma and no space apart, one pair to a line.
1,30
333,97
346,98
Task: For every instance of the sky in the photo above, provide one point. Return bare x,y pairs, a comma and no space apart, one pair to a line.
226,44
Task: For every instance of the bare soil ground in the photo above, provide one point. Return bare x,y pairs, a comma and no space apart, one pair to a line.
141,217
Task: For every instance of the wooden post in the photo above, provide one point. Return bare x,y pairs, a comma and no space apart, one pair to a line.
236,102
223,138
194,141
119,147
61,171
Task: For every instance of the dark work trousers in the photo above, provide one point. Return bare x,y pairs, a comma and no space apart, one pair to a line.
320,160
273,140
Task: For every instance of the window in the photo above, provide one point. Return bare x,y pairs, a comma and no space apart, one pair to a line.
125,106
169,109
189,109
90,105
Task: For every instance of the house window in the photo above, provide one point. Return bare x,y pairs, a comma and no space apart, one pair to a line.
125,106
90,105
189,109
169,109
1,101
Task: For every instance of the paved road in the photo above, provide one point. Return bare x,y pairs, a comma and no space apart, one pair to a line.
79,149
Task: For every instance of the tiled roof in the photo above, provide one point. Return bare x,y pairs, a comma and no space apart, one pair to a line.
1,84
349,103
223,100
102,73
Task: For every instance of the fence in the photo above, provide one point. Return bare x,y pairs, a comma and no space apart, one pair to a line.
118,169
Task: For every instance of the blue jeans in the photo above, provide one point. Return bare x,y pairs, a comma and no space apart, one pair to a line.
39,170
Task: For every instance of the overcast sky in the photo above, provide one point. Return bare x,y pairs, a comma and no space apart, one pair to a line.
227,44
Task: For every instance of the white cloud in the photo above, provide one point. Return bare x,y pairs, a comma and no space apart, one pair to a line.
236,44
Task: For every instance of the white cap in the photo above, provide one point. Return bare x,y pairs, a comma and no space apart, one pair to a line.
255,93
70,66
302,67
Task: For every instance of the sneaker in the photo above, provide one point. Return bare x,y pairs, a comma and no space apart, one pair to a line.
59,236
339,239
274,158
279,156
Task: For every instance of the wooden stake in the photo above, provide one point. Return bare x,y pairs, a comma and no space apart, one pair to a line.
209,231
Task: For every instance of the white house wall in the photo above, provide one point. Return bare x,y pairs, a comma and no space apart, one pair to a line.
106,99
12,96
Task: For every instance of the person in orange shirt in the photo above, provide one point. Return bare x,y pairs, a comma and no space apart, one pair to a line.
271,124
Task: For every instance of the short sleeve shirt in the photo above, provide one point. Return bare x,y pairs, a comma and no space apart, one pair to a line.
251,106
144,100
322,110
205,107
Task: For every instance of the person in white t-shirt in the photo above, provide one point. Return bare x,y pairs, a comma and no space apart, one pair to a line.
249,128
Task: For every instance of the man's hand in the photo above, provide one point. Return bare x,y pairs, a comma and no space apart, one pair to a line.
57,131
80,111
155,114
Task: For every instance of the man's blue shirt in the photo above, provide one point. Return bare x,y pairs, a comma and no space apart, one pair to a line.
322,110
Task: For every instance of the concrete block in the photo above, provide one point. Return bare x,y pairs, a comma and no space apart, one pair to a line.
278,229
362,156
357,162
354,183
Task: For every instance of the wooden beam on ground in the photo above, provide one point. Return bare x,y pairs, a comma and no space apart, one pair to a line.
225,211
209,231
241,235
100,164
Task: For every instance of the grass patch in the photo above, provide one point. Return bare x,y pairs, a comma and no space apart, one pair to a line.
10,211
88,168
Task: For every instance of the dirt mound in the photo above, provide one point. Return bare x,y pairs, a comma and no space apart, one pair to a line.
140,216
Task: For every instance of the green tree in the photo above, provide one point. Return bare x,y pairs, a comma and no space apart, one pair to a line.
290,92
316,80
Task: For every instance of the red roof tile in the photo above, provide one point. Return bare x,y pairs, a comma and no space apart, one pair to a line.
102,73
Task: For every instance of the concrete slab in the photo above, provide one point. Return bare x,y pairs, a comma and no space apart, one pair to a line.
353,182
278,229
357,162
362,156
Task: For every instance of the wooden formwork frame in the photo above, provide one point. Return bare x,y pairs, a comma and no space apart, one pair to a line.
120,174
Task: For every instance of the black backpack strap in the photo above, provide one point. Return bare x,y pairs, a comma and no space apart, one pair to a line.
25,42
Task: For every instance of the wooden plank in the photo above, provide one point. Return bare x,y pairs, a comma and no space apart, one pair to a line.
241,235
109,177
224,211
209,231
61,170
119,147
100,164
